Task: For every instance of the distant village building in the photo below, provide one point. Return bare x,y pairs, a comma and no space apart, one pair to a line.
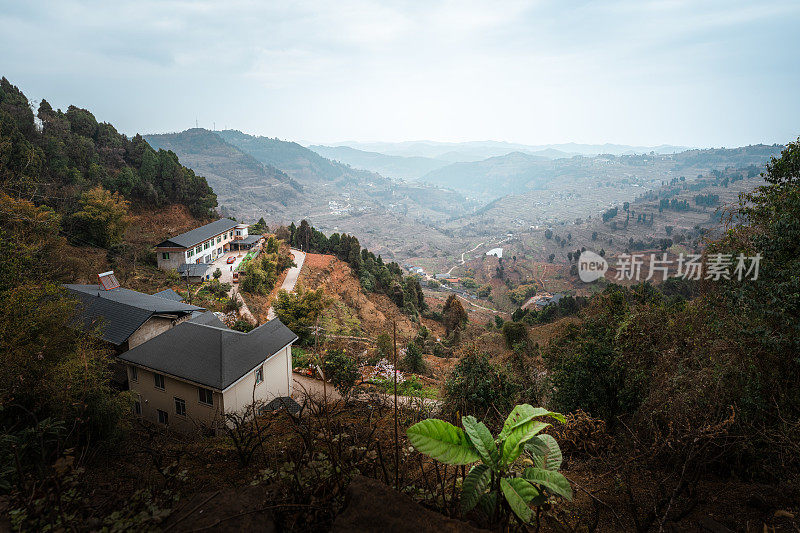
541,300
497,252
200,245
189,377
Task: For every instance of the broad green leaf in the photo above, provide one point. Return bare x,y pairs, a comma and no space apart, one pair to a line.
474,485
487,503
513,444
545,452
554,482
481,438
442,441
523,413
518,493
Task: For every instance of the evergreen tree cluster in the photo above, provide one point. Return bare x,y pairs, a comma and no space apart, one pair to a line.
54,157
374,274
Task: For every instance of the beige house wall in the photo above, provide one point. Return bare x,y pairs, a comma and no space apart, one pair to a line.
176,259
277,381
151,399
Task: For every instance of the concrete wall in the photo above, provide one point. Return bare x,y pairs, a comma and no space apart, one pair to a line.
277,382
176,259
151,399
155,325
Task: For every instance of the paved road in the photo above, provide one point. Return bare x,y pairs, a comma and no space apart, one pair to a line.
291,276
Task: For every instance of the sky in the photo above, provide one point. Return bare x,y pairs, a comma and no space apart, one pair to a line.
695,73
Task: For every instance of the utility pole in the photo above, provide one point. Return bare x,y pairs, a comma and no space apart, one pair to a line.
396,432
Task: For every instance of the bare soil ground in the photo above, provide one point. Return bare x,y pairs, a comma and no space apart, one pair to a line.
374,312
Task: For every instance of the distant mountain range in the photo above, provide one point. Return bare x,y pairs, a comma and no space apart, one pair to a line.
413,160
284,181
516,172
297,161
392,166
477,150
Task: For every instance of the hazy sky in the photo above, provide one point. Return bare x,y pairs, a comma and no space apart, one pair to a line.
636,72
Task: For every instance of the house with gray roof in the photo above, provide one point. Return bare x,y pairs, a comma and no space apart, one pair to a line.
191,376
195,272
200,245
127,318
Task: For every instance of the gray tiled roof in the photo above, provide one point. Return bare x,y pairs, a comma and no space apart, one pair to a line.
120,312
209,319
169,294
211,356
251,239
195,269
284,402
198,235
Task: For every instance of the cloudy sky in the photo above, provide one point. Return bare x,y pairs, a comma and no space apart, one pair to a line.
630,71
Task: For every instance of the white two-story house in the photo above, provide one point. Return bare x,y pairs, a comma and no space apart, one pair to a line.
200,245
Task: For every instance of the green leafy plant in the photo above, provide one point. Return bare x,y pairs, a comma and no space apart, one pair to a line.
497,485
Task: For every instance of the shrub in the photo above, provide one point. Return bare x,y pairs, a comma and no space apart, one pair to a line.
341,370
300,310
515,333
493,485
242,325
413,360
476,386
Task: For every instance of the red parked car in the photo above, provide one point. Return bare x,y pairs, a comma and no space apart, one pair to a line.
231,259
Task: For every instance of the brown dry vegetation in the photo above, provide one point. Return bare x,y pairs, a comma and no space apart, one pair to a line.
374,311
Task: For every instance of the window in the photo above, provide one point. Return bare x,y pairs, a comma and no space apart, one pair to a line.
134,373
189,254
180,406
164,255
205,246
198,250
206,396
158,379
231,235
259,374
163,417
137,406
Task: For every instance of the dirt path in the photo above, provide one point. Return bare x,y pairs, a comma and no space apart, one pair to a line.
243,310
495,311
462,258
291,276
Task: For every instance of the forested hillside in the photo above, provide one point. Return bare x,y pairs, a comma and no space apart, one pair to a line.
298,161
53,157
236,176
